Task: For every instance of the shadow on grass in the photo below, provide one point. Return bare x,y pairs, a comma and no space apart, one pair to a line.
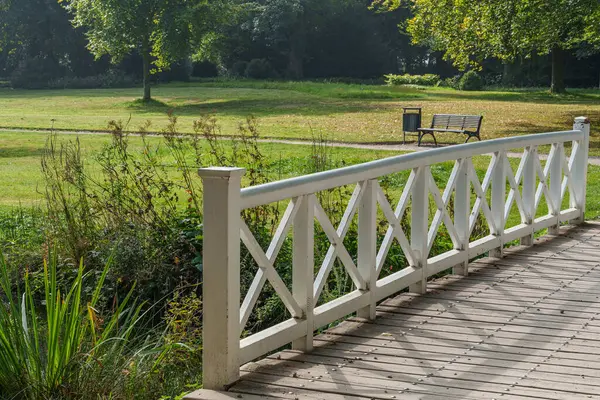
257,107
525,96
21,152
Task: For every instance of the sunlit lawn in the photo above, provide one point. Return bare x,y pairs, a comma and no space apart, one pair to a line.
22,182
300,110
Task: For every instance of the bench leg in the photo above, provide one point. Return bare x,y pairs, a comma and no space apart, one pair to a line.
427,133
472,136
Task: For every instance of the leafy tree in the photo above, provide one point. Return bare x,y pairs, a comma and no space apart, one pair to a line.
38,42
469,31
162,31
284,24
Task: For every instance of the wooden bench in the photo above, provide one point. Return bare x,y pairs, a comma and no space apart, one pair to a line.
466,124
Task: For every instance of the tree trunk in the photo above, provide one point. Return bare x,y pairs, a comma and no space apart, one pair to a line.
558,70
507,75
146,72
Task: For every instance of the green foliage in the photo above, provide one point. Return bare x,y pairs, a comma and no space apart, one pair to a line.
450,82
470,81
407,79
111,79
471,31
67,347
35,73
132,206
238,69
259,68
163,31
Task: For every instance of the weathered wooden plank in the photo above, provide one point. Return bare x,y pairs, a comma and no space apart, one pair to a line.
358,382
521,327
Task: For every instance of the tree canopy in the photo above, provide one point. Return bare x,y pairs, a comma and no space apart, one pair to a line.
470,31
162,31
47,43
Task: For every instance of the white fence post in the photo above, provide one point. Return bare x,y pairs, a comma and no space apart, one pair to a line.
580,166
555,185
419,226
498,201
221,274
462,211
367,245
303,267
529,189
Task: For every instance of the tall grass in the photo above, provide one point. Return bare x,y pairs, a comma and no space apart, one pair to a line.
57,344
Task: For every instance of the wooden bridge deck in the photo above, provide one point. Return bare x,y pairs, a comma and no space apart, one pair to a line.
523,327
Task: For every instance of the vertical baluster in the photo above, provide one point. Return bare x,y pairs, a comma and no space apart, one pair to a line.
303,267
221,288
462,210
579,173
367,245
555,185
498,200
529,189
419,226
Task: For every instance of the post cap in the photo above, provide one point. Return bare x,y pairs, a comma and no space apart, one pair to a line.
221,172
582,120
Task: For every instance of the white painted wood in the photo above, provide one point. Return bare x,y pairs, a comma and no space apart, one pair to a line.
556,183
294,187
518,232
481,203
483,245
444,261
341,250
341,307
261,277
398,281
303,268
580,166
462,210
419,226
221,288
395,228
441,203
567,183
224,320
543,175
529,203
267,266
261,343
498,199
367,245
342,230
514,194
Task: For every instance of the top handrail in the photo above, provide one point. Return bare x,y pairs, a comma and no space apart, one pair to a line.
288,188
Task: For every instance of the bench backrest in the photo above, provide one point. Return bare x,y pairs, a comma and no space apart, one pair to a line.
446,121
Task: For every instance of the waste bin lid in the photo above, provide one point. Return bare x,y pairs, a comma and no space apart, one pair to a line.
411,108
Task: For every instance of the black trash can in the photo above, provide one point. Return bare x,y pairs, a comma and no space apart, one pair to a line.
411,121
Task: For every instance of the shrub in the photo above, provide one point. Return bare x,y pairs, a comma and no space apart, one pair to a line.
259,68
470,81
35,73
177,72
450,82
206,69
238,69
406,79
110,79
66,347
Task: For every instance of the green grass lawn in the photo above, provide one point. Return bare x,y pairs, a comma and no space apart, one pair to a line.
23,184
299,110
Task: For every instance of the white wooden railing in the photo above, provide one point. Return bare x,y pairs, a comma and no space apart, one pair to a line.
225,230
